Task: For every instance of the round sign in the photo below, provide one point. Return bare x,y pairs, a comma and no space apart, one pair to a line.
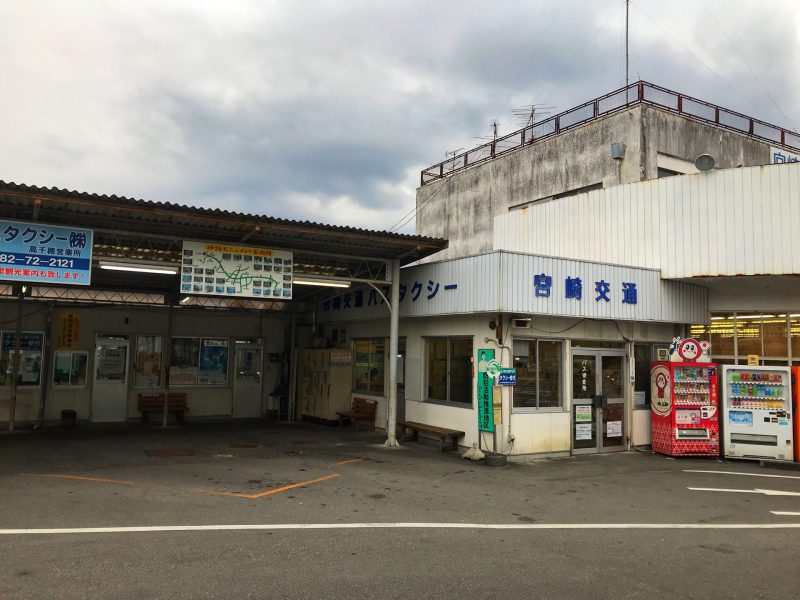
660,392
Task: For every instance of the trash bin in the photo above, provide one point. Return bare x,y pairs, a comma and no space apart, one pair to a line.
69,418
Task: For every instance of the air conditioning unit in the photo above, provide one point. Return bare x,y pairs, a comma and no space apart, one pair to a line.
521,323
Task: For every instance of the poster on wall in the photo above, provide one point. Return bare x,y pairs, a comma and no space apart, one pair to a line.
485,412
45,253
69,329
215,269
583,431
583,413
213,362
614,429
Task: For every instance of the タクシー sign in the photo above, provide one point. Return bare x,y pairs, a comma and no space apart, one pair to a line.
45,253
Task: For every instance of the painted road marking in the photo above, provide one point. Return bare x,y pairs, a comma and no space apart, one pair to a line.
84,478
785,513
756,491
348,462
501,526
741,473
276,490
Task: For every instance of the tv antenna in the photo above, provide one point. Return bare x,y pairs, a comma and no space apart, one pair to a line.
531,113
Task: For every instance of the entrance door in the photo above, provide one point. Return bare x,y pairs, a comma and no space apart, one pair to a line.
598,401
110,383
247,381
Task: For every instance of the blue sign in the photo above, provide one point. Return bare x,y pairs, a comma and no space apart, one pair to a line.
45,253
507,377
742,418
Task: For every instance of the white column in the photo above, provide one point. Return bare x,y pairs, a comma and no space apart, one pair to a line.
394,327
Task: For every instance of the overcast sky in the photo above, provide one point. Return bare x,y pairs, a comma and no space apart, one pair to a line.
327,110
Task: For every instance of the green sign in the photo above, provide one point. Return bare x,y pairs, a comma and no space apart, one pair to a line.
485,413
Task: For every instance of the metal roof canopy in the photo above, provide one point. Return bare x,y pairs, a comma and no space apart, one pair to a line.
139,230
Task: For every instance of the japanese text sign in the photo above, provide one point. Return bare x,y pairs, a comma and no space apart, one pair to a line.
485,413
224,270
45,253
507,377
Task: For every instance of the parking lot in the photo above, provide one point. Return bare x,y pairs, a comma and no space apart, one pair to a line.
296,511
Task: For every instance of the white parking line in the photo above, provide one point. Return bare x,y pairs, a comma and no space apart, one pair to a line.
301,526
785,513
756,491
741,473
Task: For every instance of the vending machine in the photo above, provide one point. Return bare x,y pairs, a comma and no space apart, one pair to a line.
683,406
795,402
757,412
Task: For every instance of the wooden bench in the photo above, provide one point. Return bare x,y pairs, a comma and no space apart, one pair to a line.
443,433
154,403
361,409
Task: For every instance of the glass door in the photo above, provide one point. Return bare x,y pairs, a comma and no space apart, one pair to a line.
110,389
612,412
247,381
584,389
598,401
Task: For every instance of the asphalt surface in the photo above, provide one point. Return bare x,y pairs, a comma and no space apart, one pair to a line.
258,475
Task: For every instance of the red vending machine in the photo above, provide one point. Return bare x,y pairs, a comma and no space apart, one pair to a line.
684,402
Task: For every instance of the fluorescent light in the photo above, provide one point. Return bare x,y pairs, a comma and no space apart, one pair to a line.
185,299
136,267
755,316
321,282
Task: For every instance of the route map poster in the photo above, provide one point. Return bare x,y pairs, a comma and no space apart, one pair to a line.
214,269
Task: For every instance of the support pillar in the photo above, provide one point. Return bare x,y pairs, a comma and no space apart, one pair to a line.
167,354
394,329
12,406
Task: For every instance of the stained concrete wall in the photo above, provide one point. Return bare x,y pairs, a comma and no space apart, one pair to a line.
461,207
667,133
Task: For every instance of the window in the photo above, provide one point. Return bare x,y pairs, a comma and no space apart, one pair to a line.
449,363
643,355
539,374
369,372
147,367
69,369
29,372
196,361
734,336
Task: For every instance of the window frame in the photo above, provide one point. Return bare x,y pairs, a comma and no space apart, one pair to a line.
561,375
135,357
369,391
69,385
200,345
448,355
42,350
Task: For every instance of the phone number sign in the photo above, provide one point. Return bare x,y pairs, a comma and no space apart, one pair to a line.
45,253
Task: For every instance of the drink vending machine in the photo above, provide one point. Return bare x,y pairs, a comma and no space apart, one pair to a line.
757,412
795,419
683,406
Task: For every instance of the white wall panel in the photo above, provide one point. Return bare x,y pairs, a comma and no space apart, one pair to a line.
742,221
504,282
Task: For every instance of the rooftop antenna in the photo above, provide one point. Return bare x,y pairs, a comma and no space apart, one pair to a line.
627,9
530,114
451,155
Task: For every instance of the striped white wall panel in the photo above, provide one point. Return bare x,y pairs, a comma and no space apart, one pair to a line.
742,221
504,282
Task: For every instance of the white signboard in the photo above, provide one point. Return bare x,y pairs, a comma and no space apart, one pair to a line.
214,269
614,429
779,155
583,431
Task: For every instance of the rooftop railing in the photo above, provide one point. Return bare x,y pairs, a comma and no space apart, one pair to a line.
640,92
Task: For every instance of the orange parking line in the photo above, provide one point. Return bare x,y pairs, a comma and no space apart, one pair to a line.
276,490
347,462
97,479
